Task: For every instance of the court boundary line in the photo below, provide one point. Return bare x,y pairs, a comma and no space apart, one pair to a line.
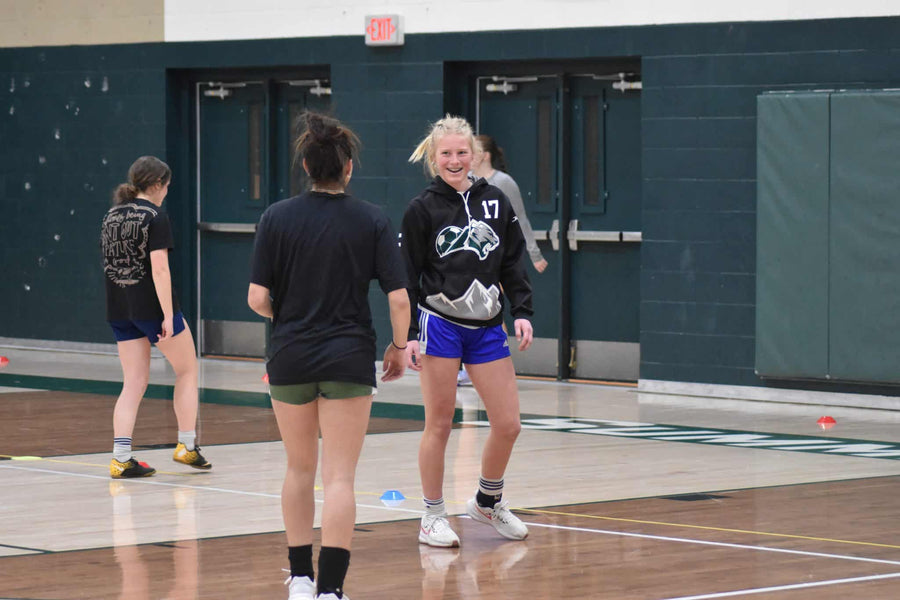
26,548
148,481
664,538
420,512
59,458
659,538
709,528
790,586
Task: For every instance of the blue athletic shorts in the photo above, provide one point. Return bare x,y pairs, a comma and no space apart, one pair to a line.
473,345
132,330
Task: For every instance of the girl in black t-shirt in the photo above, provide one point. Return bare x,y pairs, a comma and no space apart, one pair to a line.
313,259
142,310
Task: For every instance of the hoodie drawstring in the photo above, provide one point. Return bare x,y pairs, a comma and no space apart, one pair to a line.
465,197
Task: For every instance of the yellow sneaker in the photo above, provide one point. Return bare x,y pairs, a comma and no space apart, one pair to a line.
191,458
130,468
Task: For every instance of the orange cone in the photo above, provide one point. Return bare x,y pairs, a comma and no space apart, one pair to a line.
826,422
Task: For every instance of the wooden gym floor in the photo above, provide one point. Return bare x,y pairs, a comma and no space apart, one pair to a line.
627,495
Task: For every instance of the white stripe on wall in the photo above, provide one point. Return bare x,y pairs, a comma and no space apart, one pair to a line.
196,20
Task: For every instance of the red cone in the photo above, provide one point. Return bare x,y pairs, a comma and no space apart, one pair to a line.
826,422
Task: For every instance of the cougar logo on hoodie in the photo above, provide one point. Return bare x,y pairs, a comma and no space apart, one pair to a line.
477,236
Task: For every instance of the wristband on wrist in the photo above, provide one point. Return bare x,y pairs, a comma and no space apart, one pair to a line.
396,346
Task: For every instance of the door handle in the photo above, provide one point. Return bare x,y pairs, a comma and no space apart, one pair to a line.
551,234
227,227
574,235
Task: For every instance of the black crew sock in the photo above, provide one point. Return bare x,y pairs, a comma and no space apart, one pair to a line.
301,561
333,564
487,501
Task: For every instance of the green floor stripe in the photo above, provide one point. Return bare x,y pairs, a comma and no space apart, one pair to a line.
712,436
833,446
112,388
411,412
386,410
83,386
233,398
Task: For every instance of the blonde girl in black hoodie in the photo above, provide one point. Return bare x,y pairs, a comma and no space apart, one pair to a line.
464,247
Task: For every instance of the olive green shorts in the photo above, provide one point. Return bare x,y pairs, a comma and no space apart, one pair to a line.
304,393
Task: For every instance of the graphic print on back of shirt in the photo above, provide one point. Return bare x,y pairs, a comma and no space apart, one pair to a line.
125,237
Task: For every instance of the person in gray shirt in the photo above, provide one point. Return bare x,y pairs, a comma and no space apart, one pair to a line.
489,162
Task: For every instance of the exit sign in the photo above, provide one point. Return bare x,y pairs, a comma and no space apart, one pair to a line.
384,30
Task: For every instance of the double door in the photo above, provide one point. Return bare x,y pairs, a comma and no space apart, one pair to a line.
243,149
572,143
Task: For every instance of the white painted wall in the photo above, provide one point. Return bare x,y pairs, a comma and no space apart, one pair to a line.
26,23
196,20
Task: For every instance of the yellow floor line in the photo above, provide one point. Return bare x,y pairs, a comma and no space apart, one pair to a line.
86,464
628,384
708,528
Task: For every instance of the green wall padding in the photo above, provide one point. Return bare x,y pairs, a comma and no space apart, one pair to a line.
865,236
792,235
828,236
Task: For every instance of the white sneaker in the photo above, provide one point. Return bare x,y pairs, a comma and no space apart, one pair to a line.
435,531
507,524
300,588
330,596
462,378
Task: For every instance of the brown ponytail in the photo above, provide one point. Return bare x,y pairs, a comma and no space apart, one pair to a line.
125,193
145,172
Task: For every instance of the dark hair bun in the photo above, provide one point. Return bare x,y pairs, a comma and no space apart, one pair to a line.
326,145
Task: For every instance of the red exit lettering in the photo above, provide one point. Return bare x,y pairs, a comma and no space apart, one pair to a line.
380,29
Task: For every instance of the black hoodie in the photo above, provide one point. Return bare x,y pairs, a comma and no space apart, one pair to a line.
462,262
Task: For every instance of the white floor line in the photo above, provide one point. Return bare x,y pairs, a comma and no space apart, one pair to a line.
720,544
143,481
147,481
779,588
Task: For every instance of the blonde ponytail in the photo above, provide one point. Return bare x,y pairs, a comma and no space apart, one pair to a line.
425,152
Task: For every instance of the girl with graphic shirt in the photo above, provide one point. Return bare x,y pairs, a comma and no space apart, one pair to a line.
464,247
313,259
142,309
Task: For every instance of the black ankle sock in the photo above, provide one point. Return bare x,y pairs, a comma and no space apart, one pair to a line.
486,501
333,564
301,561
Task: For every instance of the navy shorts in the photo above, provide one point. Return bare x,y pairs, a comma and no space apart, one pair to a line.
473,345
150,329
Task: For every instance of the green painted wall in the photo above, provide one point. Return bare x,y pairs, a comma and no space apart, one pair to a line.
700,84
